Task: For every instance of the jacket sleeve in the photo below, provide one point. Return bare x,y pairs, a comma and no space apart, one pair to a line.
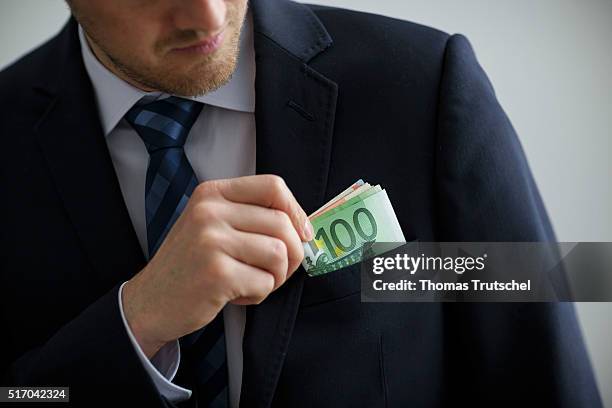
505,354
92,354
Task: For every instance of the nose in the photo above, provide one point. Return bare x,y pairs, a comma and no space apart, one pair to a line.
206,16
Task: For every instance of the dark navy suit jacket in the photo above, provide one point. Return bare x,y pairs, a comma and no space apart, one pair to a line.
341,95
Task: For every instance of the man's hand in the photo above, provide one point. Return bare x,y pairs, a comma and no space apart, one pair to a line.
236,241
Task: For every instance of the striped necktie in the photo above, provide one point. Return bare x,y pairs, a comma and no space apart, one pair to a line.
164,125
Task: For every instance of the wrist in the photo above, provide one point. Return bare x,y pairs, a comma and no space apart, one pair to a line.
136,321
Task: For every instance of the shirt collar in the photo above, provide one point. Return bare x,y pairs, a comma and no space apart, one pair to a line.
115,96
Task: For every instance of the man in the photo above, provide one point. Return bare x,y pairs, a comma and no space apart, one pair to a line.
144,261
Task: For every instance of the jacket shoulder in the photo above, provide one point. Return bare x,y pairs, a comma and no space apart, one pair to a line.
378,49
361,19
30,79
379,35
36,67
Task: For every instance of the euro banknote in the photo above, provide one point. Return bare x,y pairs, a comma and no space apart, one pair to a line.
347,226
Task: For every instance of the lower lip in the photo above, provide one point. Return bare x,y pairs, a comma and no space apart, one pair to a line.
205,47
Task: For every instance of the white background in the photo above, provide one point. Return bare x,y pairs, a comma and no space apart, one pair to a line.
550,62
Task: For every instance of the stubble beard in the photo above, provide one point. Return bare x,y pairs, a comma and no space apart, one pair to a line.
210,73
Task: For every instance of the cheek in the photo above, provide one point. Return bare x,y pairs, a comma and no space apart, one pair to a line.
132,32
137,42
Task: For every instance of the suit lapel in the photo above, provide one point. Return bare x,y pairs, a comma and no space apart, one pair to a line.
294,112
72,142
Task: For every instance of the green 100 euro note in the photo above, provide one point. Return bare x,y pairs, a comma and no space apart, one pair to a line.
346,227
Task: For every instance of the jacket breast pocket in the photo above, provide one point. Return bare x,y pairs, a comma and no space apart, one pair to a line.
332,285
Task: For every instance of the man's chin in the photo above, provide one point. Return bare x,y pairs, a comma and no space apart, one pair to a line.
194,77
192,84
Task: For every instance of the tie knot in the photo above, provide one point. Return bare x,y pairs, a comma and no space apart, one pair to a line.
164,123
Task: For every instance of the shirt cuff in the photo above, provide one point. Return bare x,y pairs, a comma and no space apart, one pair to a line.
163,366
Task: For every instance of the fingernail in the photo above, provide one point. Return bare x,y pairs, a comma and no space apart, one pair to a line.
308,230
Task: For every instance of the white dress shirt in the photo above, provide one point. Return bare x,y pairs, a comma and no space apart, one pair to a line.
221,144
